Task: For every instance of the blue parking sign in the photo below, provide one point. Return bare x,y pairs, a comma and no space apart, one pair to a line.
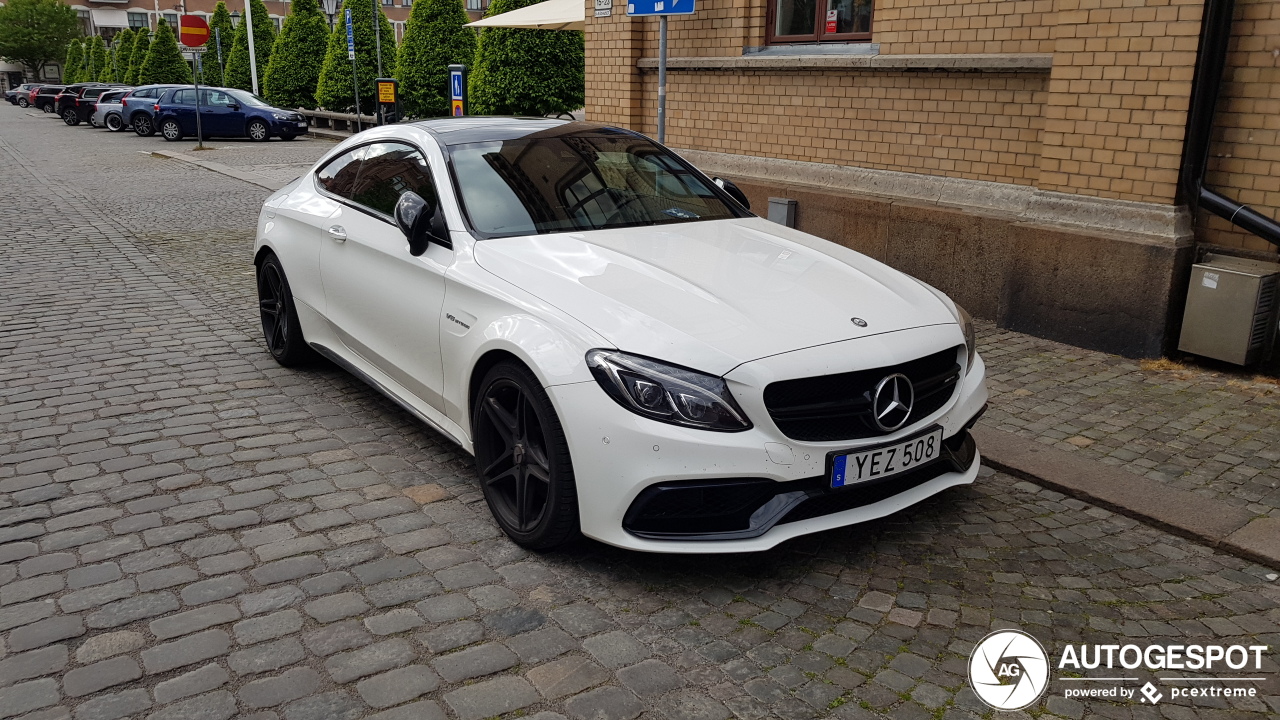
351,38
659,7
455,83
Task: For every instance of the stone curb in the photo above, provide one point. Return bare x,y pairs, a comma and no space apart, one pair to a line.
1217,524
249,177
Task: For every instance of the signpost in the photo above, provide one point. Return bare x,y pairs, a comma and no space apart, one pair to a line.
661,8
193,33
253,57
388,96
458,90
351,53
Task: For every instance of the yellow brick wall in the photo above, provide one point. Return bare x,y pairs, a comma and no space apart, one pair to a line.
926,27
1244,159
975,125
1117,108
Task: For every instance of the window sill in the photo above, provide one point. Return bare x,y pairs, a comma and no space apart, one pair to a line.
777,60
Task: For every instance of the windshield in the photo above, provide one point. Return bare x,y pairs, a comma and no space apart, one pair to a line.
249,98
534,185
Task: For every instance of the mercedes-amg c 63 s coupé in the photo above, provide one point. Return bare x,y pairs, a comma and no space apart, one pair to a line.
626,349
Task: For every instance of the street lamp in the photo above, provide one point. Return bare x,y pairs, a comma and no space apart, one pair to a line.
235,18
330,9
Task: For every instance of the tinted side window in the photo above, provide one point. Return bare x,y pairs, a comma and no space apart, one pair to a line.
389,170
184,97
339,175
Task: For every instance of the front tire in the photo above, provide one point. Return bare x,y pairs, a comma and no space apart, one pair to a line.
523,459
257,131
280,326
47,108
171,130
114,123
143,126
69,117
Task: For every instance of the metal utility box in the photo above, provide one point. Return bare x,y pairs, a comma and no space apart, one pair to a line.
1231,309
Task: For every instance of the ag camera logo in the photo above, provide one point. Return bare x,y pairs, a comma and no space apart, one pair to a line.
1009,670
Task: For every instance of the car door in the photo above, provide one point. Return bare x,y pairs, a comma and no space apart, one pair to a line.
181,104
216,114
384,303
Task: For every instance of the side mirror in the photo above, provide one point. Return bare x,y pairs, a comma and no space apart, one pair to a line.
233,107
733,191
421,223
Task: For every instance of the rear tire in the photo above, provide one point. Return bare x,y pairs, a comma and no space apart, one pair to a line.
143,126
280,326
171,130
70,117
257,131
114,123
47,107
23,102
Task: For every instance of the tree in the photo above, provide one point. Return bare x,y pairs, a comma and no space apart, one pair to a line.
294,69
221,32
237,73
164,62
96,58
434,38
75,59
141,43
122,50
527,72
334,91
34,33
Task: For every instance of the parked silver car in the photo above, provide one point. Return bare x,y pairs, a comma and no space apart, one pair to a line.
107,112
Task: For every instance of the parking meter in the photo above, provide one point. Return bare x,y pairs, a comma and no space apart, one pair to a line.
388,91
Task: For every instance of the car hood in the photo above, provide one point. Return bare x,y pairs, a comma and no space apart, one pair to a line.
713,295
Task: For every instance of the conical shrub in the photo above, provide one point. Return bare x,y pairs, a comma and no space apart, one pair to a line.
141,43
97,58
75,60
237,73
294,69
122,50
434,38
335,91
526,72
164,62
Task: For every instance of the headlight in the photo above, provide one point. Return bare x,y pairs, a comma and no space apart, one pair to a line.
970,337
281,116
667,393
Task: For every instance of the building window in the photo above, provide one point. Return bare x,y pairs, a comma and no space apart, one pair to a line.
799,21
278,21
406,3
171,19
388,3
137,20
475,5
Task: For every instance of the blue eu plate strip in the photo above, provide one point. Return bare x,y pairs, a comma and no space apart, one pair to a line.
837,473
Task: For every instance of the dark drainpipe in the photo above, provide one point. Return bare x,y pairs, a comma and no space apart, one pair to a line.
1215,35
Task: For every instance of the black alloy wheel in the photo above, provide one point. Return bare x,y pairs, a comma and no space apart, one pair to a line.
171,130
70,117
114,122
523,459
143,126
280,325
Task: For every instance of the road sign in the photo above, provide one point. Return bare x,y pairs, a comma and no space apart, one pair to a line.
660,7
351,38
193,49
457,90
193,31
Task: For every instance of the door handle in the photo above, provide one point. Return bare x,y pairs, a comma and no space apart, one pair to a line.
337,232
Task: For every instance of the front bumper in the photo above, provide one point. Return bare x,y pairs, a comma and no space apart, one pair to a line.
618,456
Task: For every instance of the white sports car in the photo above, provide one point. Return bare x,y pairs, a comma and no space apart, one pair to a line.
627,351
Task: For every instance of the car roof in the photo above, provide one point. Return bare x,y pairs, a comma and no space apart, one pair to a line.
472,128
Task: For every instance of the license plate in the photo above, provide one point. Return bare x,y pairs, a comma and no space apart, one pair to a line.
302,124
887,460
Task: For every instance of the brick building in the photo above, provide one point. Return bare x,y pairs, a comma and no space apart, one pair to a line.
1023,155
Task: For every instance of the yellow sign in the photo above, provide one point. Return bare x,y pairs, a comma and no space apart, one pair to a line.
386,92
457,108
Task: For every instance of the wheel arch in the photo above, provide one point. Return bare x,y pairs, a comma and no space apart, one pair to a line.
480,369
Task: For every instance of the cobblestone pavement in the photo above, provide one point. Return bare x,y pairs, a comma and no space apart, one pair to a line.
189,531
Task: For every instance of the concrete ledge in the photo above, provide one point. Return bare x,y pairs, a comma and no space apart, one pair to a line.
249,177
1008,63
1225,527
1162,224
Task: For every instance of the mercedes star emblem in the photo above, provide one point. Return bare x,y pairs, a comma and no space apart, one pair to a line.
891,404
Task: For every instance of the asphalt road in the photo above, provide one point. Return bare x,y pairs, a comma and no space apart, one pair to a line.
189,531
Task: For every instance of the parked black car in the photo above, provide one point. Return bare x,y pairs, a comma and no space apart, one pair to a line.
66,101
77,108
44,97
137,109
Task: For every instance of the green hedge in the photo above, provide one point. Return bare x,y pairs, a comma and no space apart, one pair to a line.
121,51
164,62
434,38
526,72
96,59
211,67
141,43
75,59
294,70
236,73
334,91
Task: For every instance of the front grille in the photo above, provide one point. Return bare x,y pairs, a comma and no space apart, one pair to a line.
838,407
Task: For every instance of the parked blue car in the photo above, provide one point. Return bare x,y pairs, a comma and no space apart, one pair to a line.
225,112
